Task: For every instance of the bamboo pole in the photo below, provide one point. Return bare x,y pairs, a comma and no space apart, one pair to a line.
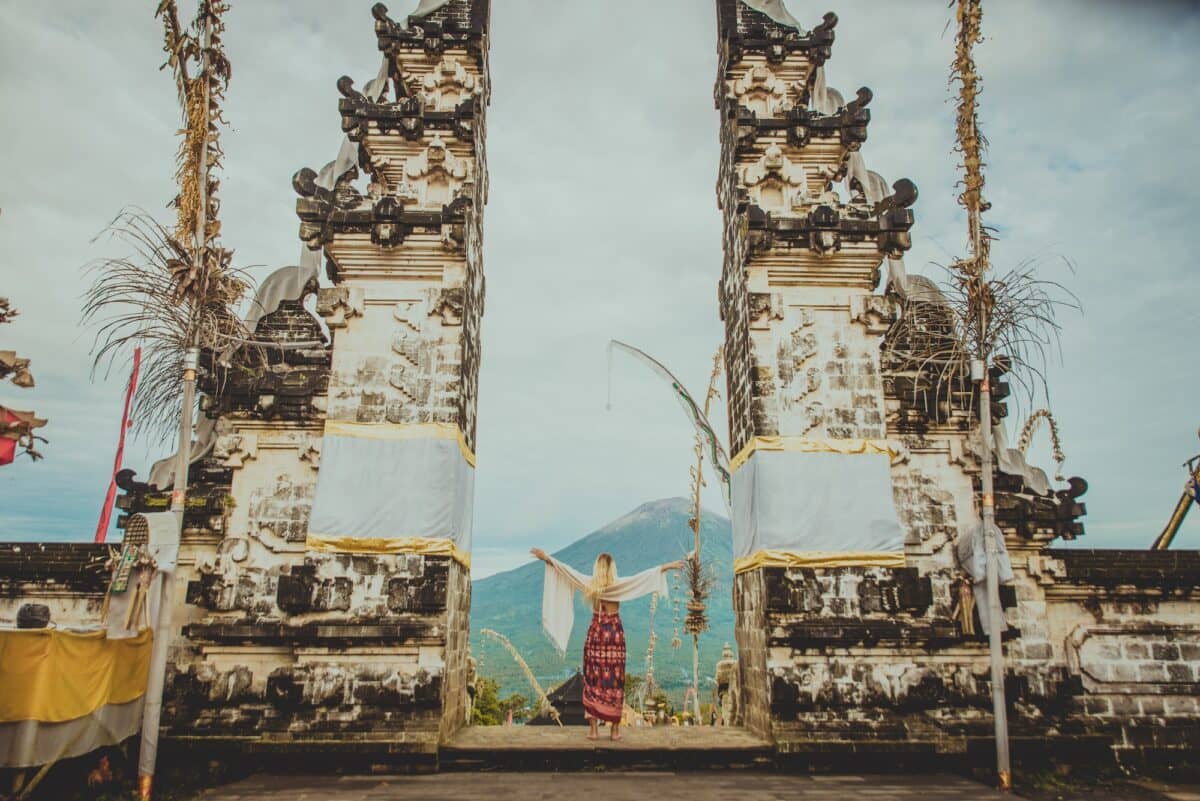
152,713
697,485
970,139
1178,515
544,704
995,612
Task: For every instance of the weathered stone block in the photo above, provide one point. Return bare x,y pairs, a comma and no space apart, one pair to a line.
1165,652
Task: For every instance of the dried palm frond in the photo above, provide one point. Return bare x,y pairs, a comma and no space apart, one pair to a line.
134,301
971,141
202,71
1014,314
544,704
700,579
972,314
7,312
698,576
18,425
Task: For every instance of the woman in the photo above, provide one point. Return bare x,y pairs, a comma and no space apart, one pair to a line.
604,648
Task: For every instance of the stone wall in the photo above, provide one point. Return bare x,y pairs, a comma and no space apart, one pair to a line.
67,577
1102,659
355,649
752,628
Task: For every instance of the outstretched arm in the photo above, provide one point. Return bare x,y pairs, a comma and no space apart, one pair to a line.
672,566
577,579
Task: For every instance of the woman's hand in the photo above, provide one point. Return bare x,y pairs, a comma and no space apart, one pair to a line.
540,554
673,566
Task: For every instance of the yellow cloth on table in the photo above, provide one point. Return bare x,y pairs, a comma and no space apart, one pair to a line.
52,676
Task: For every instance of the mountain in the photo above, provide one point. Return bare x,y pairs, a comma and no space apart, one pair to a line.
654,533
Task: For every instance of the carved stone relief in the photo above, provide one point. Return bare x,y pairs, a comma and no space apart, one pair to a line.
448,85
434,177
775,184
761,91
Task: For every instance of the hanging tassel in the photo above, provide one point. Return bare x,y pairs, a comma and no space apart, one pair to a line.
965,607
137,614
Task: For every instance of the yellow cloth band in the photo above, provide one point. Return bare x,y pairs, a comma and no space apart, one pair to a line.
399,431
328,543
53,676
775,558
802,445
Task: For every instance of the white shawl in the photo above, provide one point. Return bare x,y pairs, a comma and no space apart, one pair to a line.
558,597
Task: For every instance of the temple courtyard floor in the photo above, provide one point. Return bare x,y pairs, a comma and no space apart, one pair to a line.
710,786
530,763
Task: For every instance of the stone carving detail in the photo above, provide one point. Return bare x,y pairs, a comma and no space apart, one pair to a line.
774,183
876,313
448,85
764,309
339,304
762,92
234,450
402,378
280,510
408,345
797,378
435,176
448,305
311,453
814,415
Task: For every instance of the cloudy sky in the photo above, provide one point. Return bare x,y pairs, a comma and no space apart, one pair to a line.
603,223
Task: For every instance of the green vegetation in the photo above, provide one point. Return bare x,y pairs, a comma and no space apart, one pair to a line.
490,710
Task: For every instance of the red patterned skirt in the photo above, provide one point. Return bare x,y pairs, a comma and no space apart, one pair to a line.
604,667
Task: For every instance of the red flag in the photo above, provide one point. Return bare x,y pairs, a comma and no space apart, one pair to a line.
8,446
111,496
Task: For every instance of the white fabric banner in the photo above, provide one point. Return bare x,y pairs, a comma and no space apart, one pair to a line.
826,502
28,743
393,482
971,550
162,531
776,10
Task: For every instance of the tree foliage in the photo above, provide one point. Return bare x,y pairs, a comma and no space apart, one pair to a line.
490,710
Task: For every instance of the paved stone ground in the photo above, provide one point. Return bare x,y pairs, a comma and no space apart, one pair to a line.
605,787
518,738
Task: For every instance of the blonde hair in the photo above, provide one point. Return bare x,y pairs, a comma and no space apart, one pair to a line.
604,575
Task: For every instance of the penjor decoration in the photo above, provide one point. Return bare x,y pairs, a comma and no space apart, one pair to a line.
713,448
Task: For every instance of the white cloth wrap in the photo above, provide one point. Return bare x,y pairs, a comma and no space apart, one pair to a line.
27,743
374,486
777,11
971,550
163,545
803,502
558,596
427,7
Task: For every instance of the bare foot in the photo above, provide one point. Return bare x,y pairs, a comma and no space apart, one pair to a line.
615,736
591,735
